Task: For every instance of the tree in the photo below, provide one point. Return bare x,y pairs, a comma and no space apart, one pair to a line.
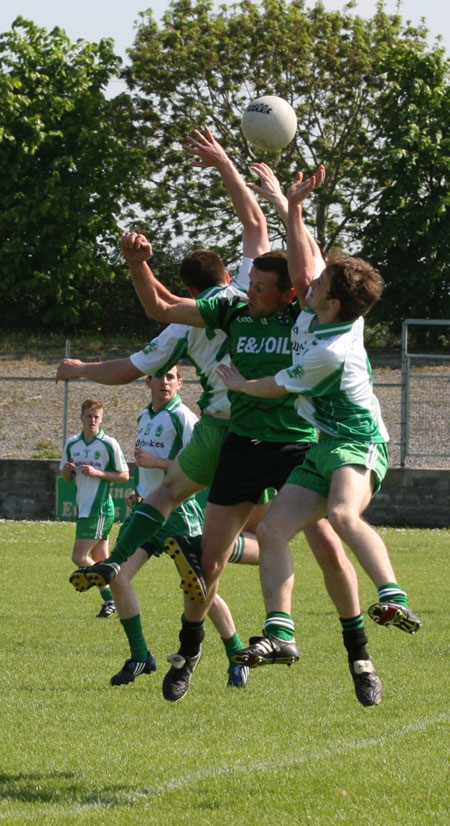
71,167
408,232
202,67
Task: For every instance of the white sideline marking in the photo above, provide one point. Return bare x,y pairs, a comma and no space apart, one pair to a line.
264,765
293,759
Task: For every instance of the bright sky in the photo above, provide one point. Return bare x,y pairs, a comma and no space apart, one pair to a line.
94,19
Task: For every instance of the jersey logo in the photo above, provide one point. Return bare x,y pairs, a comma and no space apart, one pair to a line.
295,372
150,347
284,319
97,454
272,344
159,430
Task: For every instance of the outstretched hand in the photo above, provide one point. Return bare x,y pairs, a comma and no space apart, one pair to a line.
68,369
300,189
135,247
270,187
230,376
207,151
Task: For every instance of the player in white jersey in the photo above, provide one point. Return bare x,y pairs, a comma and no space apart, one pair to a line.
164,427
332,378
201,271
92,460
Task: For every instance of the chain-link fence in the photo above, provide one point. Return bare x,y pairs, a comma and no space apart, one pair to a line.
36,414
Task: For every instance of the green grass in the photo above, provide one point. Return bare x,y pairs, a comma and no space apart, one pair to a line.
295,748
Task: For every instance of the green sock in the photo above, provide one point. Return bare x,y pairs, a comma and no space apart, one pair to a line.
391,592
135,636
107,594
238,549
280,625
232,644
144,523
352,623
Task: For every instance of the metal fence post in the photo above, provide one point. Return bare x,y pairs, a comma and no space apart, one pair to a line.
404,416
66,397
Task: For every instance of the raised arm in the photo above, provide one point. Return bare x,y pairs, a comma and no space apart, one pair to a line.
210,153
156,299
304,258
270,189
114,371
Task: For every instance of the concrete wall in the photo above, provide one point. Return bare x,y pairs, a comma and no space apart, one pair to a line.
408,497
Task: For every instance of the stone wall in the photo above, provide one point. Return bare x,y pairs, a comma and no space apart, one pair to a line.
408,497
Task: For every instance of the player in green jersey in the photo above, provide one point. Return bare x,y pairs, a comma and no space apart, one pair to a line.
338,572
265,440
92,460
332,379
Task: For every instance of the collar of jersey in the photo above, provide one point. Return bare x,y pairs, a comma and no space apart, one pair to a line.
99,435
334,328
169,406
210,291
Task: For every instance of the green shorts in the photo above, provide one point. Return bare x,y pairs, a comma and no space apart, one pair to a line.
94,527
329,454
199,458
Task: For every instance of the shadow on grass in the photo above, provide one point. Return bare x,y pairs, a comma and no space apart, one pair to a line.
63,788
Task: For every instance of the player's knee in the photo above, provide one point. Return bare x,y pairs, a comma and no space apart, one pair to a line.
341,519
270,531
212,565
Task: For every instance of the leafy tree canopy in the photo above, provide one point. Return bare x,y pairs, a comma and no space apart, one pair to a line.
71,168
361,88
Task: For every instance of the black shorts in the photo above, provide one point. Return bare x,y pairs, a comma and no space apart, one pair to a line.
247,467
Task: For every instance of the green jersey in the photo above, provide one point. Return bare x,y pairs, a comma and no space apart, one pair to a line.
258,347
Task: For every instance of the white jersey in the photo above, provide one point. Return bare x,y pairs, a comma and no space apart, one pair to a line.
203,348
104,453
163,434
332,374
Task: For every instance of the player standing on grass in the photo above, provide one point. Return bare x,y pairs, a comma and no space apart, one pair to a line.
93,460
331,378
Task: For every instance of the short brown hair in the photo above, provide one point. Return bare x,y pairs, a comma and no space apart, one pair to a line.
202,269
355,283
88,403
275,261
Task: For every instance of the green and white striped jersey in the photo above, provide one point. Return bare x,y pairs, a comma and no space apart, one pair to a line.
333,377
104,453
203,348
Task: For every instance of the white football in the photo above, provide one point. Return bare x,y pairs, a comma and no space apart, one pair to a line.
269,122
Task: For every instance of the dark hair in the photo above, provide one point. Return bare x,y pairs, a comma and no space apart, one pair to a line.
355,283
202,269
275,261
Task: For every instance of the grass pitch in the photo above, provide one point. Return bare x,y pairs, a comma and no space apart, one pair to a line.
294,749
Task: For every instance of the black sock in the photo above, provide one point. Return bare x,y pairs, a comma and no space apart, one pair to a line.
191,636
355,638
